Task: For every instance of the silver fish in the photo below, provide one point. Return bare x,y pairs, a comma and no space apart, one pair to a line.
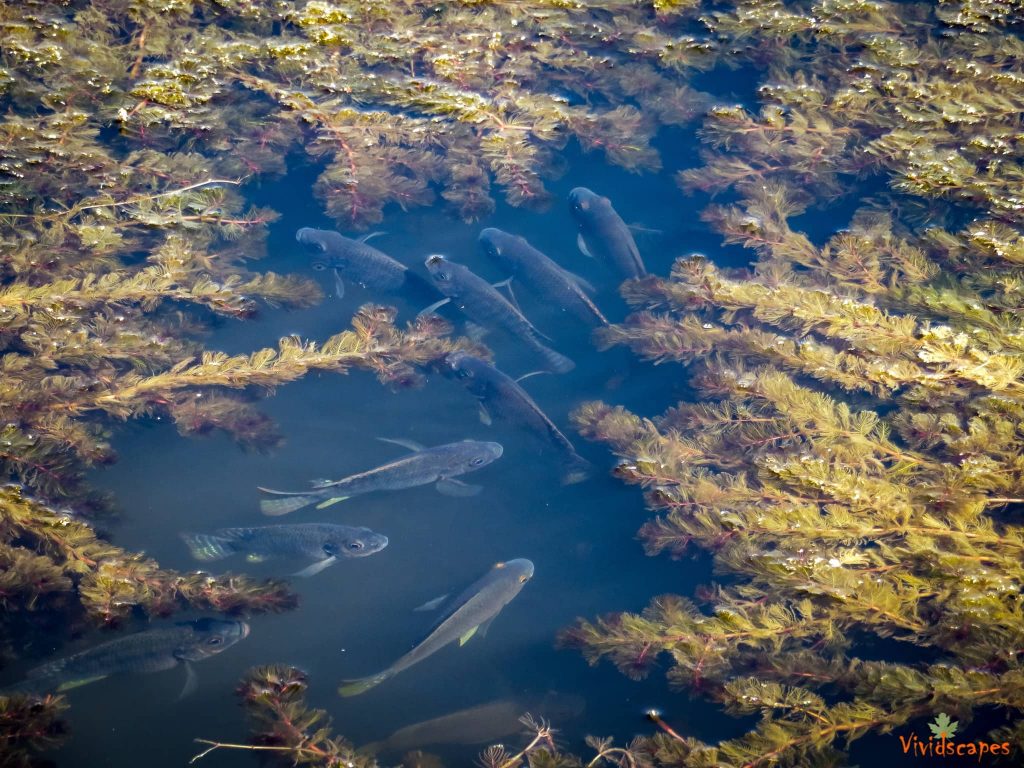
542,275
482,724
152,650
356,261
322,542
503,398
603,234
481,302
471,611
439,465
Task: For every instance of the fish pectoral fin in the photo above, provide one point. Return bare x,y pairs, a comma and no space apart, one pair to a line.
329,502
71,684
528,375
449,486
339,284
507,285
467,635
412,445
582,245
316,567
485,417
191,682
430,605
482,628
370,235
432,308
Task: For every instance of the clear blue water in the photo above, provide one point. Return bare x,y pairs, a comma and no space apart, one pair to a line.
357,617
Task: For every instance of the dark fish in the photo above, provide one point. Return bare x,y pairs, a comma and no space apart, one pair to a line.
503,398
471,611
482,724
546,278
603,233
322,542
361,263
440,465
481,302
153,650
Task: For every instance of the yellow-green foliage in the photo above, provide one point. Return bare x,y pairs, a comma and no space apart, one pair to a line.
855,437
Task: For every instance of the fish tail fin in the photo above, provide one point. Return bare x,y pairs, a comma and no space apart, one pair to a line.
206,546
282,505
576,470
362,685
556,362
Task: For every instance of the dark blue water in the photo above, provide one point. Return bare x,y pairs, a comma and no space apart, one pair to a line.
357,617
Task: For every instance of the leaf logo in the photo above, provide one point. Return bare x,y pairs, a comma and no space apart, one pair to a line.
943,727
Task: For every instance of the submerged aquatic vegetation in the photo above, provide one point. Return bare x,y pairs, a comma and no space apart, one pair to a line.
855,441
286,728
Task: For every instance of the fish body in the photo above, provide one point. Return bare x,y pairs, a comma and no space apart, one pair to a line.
482,724
604,235
502,397
315,541
152,650
439,465
543,276
476,606
481,302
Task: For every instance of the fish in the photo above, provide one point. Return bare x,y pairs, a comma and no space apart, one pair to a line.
322,542
603,233
152,650
360,263
439,465
542,275
469,613
502,397
483,724
481,302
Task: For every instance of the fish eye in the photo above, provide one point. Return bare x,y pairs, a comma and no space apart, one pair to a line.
319,266
215,640
477,461
523,579
355,545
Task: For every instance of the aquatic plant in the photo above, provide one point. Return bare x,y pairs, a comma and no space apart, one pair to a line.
854,442
28,724
286,728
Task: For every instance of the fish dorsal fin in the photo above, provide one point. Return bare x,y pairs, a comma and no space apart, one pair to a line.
412,445
581,282
582,245
321,482
467,635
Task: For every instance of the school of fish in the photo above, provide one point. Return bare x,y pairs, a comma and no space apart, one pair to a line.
601,234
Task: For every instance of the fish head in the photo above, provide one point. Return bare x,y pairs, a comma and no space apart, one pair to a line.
519,569
462,365
583,202
317,241
443,273
354,542
210,637
491,241
474,454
